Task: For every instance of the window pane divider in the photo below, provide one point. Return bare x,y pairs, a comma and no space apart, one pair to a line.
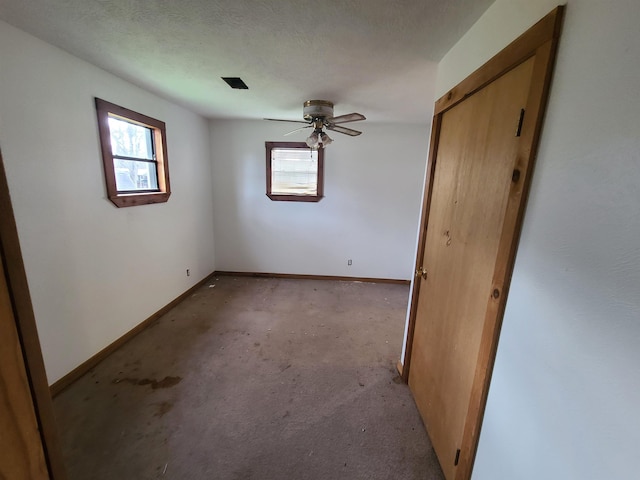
135,159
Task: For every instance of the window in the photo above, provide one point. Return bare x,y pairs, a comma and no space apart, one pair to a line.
294,172
134,154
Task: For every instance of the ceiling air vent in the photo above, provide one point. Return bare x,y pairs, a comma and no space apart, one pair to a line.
235,82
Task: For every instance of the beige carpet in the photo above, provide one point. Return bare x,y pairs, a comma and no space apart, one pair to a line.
254,378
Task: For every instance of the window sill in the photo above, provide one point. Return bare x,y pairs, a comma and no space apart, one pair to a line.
134,199
295,198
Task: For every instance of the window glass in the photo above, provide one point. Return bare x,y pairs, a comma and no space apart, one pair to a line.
294,171
132,175
130,140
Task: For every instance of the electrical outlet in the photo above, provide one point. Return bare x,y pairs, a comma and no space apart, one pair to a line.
188,273
349,262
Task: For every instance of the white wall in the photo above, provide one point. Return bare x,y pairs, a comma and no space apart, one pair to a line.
369,214
563,402
94,271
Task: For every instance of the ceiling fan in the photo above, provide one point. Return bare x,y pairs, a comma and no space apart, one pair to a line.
318,114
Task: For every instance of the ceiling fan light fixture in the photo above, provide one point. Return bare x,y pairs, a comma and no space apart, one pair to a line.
313,141
325,139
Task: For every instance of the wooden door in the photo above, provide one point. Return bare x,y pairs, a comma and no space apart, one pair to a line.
476,159
485,133
21,453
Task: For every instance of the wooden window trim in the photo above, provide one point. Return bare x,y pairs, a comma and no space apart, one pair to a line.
103,109
295,198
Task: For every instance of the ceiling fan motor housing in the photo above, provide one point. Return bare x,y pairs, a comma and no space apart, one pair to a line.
313,109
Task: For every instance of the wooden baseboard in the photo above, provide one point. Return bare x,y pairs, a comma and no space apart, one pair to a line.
295,276
400,369
84,367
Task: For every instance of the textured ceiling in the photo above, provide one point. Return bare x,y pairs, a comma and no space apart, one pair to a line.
376,57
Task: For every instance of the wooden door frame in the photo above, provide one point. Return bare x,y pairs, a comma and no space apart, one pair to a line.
27,332
541,41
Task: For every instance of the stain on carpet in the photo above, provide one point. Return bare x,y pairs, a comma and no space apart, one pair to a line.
163,408
166,382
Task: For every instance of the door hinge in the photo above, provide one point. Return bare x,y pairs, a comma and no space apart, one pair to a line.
520,122
421,272
455,463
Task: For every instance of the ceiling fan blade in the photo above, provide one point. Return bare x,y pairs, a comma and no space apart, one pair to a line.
345,130
298,129
349,117
280,120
